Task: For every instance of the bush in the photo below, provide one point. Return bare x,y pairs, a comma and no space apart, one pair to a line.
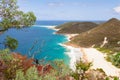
115,59
81,68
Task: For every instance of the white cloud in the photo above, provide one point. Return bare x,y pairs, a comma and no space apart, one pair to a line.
55,4
117,9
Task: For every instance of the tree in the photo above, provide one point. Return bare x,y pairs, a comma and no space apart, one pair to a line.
12,17
11,43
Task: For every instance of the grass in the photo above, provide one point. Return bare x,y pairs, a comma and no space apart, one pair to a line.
104,50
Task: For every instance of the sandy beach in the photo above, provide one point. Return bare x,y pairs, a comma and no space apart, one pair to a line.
52,27
98,60
91,55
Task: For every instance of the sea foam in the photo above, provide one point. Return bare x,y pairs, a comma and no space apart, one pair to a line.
74,54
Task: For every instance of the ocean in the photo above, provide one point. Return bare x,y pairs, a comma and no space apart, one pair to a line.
40,41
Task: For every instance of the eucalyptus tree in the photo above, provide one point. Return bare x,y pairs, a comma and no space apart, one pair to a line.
12,17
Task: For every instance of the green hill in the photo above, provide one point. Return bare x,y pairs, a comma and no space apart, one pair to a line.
75,27
110,30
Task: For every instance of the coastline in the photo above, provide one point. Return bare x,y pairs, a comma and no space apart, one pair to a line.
71,50
90,55
74,54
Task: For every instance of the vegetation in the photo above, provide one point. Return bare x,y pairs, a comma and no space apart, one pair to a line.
11,43
75,27
81,68
14,66
12,17
115,59
84,72
17,67
104,50
96,36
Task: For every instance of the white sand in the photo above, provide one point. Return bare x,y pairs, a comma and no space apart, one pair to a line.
46,26
52,27
70,36
98,60
91,55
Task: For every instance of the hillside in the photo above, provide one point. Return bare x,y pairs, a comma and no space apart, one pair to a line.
75,27
109,30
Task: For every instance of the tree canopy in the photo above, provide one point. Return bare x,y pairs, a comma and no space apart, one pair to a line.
12,17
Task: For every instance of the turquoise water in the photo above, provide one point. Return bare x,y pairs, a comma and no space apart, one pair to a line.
46,44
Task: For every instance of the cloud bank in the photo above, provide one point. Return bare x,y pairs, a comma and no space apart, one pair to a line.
117,9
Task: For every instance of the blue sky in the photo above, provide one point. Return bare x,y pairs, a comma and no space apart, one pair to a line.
72,9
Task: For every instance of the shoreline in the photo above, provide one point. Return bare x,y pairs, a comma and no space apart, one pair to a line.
74,54
90,55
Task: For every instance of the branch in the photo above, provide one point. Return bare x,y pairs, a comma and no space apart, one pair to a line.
2,30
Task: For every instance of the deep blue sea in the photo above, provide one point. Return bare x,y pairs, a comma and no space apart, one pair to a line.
45,42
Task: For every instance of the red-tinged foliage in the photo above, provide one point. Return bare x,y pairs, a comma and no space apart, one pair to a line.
44,69
18,56
40,69
24,61
27,63
2,68
19,62
47,68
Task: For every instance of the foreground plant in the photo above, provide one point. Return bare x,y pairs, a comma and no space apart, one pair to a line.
81,68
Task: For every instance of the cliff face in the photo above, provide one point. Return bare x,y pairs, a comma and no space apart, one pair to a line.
75,27
96,36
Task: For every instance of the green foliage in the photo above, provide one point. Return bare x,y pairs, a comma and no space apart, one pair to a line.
104,50
81,68
32,74
4,55
9,65
107,78
80,65
13,69
62,69
28,19
12,17
20,75
116,78
60,72
50,76
11,43
115,59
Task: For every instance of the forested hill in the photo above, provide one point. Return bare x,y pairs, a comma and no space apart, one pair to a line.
96,36
75,27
